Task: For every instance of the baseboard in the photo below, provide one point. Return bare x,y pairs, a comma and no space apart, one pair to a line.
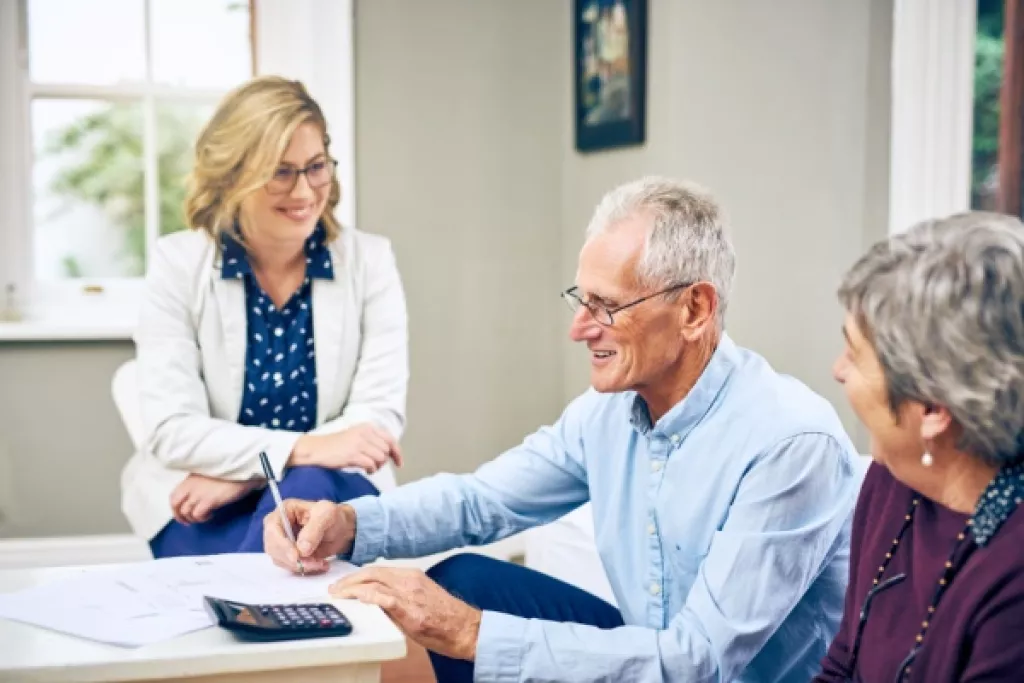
64,551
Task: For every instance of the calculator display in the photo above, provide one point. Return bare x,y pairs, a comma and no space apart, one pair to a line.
245,616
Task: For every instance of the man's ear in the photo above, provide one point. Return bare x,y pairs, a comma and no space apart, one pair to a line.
698,310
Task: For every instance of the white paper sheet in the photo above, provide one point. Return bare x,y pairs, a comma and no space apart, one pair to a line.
147,602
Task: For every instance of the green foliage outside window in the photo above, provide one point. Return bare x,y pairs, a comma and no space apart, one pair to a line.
988,79
108,171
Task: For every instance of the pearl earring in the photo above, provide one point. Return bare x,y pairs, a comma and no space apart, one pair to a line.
927,460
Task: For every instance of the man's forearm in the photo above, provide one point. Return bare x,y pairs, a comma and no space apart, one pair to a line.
531,484
430,516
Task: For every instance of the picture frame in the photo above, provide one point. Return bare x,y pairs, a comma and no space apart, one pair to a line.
610,73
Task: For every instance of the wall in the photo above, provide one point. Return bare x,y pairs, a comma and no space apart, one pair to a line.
781,108
458,151
61,442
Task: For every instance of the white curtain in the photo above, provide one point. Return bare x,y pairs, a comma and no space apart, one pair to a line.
932,98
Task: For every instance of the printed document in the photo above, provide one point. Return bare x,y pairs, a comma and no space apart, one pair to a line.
147,602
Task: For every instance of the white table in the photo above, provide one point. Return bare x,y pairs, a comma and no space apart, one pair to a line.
28,653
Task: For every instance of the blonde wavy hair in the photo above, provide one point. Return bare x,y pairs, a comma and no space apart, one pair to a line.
241,146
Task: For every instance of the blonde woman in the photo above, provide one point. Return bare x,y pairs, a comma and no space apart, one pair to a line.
267,327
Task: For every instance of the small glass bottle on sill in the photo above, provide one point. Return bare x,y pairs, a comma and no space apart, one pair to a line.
10,310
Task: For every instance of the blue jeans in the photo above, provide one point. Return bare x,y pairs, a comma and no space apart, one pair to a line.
238,527
490,584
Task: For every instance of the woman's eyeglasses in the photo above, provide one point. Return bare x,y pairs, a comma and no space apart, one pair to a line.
318,174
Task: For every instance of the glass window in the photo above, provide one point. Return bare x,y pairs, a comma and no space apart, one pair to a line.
119,90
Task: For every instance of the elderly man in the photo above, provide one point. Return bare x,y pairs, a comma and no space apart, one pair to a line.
721,491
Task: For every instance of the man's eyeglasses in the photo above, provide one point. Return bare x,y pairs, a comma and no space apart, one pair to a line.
318,174
603,314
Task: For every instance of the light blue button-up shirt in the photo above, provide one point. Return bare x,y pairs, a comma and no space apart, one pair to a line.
723,528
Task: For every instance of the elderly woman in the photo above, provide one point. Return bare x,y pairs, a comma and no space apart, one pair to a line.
934,368
267,328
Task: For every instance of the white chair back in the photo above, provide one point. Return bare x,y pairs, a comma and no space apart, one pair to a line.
125,389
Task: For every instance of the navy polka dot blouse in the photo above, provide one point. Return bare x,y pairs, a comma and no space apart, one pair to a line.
280,368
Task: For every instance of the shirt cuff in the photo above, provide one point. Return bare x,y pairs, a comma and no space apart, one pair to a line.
499,647
371,523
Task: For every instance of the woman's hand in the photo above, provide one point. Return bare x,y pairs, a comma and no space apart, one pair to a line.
365,446
195,499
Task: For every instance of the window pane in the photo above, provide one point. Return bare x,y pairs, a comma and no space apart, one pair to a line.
98,42
989,51
201,43
177,128
88,189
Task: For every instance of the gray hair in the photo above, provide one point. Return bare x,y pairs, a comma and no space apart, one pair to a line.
943,305
688,241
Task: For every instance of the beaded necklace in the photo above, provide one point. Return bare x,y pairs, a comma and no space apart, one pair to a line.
1002,496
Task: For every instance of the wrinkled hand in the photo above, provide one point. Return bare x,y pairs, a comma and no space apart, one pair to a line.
365,446
323,529
195,499
423,610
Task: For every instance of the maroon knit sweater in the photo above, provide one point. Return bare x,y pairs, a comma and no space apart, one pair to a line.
977,631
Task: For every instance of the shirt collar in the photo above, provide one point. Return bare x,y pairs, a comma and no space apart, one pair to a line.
1001,498
685,415
235,263
234,259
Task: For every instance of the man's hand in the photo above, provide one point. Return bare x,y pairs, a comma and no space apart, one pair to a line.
422,609
323,530
195,499
365,446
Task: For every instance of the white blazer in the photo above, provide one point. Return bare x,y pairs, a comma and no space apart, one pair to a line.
191,345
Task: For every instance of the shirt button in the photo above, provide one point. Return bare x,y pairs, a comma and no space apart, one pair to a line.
655,589
674,438
656,466
651,529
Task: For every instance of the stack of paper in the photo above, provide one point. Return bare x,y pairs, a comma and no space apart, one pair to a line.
147,602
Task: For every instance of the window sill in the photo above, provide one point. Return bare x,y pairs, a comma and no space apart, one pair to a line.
65,331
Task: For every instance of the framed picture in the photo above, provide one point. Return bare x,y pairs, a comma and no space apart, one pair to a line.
610,67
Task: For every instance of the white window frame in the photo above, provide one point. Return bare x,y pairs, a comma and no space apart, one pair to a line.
309,40
932,109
